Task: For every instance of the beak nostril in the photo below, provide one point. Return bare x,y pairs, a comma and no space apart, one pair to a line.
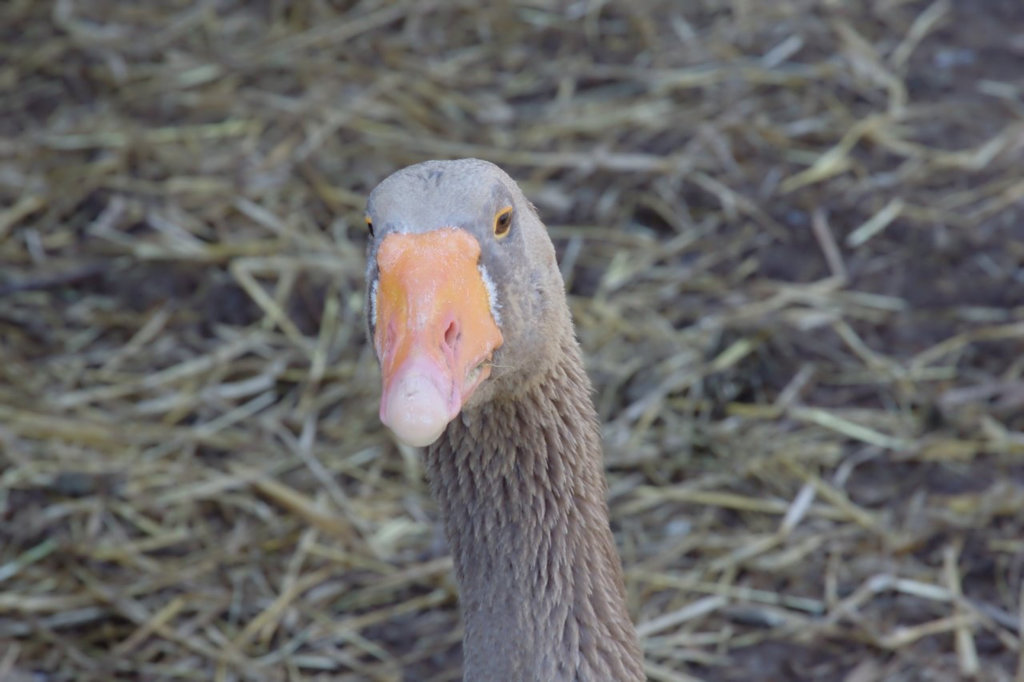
451,335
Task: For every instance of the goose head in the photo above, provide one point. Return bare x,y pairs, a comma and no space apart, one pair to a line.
465,299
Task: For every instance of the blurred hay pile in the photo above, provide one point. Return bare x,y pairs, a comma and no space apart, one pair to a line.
794,235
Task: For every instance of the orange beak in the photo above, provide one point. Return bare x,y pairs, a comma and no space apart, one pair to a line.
435,332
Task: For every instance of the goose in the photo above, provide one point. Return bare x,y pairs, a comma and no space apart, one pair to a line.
480,366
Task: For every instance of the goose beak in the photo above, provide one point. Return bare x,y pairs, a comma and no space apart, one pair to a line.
435,330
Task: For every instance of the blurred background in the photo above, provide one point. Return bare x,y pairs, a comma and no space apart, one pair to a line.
793,235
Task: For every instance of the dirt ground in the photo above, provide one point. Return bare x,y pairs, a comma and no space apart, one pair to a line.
793,235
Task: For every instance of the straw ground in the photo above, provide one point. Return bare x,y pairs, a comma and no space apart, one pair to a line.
793,233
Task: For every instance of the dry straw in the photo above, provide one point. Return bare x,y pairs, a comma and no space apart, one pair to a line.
792,232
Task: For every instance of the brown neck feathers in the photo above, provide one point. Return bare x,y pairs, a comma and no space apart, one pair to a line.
522,492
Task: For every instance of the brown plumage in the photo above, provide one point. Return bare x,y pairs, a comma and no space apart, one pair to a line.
480,365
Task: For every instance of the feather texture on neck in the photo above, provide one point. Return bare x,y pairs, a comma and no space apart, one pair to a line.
522,493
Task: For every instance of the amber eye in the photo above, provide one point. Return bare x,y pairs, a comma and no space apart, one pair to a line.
369,225
503,222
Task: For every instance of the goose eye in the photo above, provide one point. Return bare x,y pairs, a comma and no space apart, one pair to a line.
369,225
503,222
